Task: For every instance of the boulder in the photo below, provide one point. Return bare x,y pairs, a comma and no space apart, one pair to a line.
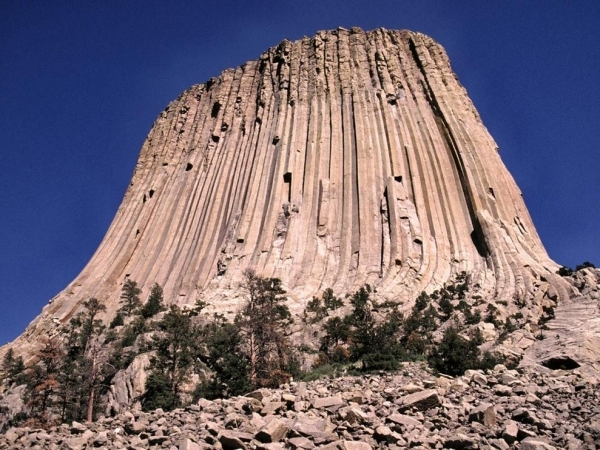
484,414
421,401
274,431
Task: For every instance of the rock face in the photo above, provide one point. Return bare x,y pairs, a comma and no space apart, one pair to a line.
554,410
348,158
128,385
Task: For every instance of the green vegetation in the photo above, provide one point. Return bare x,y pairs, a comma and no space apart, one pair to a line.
375,344
130,297
321,307
455,353
230,368
381,341
262,326
117,321
154,305
585,265
565,271
12,368
73,371
176,349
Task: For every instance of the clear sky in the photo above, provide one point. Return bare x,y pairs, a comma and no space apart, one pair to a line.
82,82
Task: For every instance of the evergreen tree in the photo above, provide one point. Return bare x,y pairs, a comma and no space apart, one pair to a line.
230,366
130,297
12,368
584,265
375,344
177,347
455,354
132,330
384,351
90,325
316,306
117,321
422,301
321,306
154,305
418,326
85,371
97,373
446,307
337,332
262,324
42,383
158,393
331,301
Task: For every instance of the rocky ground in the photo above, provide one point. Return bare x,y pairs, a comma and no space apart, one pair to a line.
502,409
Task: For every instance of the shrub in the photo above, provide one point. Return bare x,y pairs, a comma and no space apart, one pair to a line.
489,361
117,321
565,271
446,308
325,370
159,393
585,265
455,354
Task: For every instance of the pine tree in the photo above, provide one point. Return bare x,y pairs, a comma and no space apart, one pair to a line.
177,347
230,366
12,367
455,354
337,332
85,371
154,305
446,307
117,321
331,301
96,375
417,327
42,383
130,297
262,324
90,325
132,330
374,343
321,306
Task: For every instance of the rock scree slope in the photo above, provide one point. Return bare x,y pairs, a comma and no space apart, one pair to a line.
347,158
500,410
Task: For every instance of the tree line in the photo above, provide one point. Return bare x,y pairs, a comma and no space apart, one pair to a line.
73,370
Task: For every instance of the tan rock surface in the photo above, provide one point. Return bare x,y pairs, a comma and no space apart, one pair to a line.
333,161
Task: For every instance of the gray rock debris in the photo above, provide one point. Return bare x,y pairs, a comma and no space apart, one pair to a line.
410,409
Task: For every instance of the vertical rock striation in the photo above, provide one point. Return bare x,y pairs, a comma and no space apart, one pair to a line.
348,158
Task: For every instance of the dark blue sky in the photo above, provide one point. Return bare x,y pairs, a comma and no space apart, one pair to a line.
82,82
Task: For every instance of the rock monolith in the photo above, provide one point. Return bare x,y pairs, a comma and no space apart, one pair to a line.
347,158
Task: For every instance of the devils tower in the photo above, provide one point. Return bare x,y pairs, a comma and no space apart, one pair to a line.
347,158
